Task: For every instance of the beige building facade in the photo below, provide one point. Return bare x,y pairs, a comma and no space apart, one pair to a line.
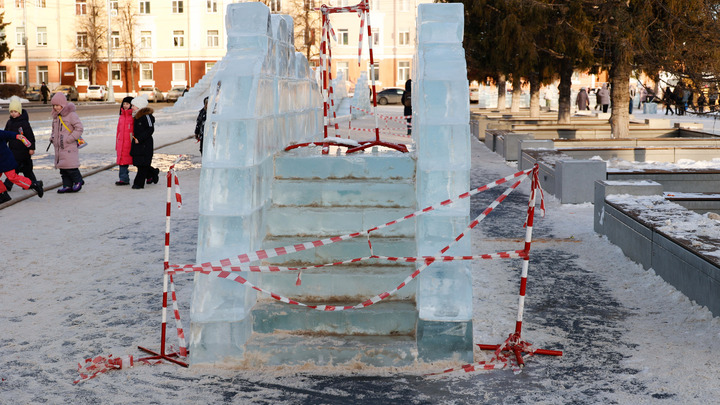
176,42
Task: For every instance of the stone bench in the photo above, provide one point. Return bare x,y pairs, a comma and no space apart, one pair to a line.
569,180
639,226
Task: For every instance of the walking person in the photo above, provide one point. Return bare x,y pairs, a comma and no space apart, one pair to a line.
200,124
67,129
668,100
633,91
677,97
604,97
701,101
45,92
123,141
643,96
582,100
19,122
8,165
142,143
712,98
406,101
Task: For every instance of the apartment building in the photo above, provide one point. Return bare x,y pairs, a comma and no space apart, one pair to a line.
175,42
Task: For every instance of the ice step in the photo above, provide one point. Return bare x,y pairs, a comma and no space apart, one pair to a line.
340,251
344,193
350,283
333,221
304,163
276,349
383,318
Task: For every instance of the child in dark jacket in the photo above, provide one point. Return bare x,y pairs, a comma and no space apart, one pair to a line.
142,143
8,165
19,122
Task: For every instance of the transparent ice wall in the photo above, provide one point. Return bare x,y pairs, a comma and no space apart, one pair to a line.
262,98
441,132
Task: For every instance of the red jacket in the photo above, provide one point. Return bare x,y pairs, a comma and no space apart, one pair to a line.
123,140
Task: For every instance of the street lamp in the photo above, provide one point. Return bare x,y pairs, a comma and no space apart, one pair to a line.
111,90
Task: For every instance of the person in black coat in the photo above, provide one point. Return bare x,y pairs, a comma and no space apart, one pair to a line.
19,122
200,124
406,101
142,146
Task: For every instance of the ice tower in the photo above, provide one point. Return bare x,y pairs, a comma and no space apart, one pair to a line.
253,196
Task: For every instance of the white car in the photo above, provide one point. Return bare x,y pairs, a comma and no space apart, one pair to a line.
152,93
96,92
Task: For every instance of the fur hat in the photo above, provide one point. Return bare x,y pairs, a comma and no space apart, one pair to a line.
15,104
140,102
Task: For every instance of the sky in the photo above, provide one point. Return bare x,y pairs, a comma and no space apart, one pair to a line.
82,277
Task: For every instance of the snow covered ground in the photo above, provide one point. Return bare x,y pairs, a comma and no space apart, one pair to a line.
82,276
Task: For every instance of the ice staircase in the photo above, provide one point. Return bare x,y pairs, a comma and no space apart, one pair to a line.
315,197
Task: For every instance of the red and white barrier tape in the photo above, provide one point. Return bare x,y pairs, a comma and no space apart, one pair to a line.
399,118
379,297
101,364
280,251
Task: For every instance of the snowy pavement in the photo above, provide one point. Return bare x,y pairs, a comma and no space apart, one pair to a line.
82,276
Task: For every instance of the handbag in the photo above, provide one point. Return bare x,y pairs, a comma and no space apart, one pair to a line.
81,143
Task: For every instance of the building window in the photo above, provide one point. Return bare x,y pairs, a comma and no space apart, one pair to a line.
80,7
178,38
21,75
208,66
116,72
376,36
177,6
178,72
213,39
275,6
3,74
403,71
144,6
212,6
19,3
42,36
20,36
376,70
41,3
81,40
114,7
343,37
42,74
82,73
342,69
404,38
146,71
146,39
115,39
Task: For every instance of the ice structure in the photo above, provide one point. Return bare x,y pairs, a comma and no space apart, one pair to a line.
263,96
361,98
441,113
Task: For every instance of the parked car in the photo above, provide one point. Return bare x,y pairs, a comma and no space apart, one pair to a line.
390,95
152,94
175,93
70,92
96,92
33,93
474,94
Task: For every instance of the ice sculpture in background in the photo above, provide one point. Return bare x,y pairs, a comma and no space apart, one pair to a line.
263,97
361,98
441,114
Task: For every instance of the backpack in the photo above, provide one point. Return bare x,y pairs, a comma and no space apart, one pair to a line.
408,99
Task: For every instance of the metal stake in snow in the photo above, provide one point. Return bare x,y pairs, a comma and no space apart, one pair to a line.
166,264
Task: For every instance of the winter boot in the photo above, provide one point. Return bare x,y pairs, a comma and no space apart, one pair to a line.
38,187
8,184
64,189
4,197
77,186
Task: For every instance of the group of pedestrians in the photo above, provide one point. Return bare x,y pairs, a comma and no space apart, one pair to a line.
602,96
682,97
134,145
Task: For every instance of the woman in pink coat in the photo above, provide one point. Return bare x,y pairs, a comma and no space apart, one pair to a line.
123,141
66,130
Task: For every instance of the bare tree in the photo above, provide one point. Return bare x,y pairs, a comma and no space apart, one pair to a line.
91,36
128,42
307,27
